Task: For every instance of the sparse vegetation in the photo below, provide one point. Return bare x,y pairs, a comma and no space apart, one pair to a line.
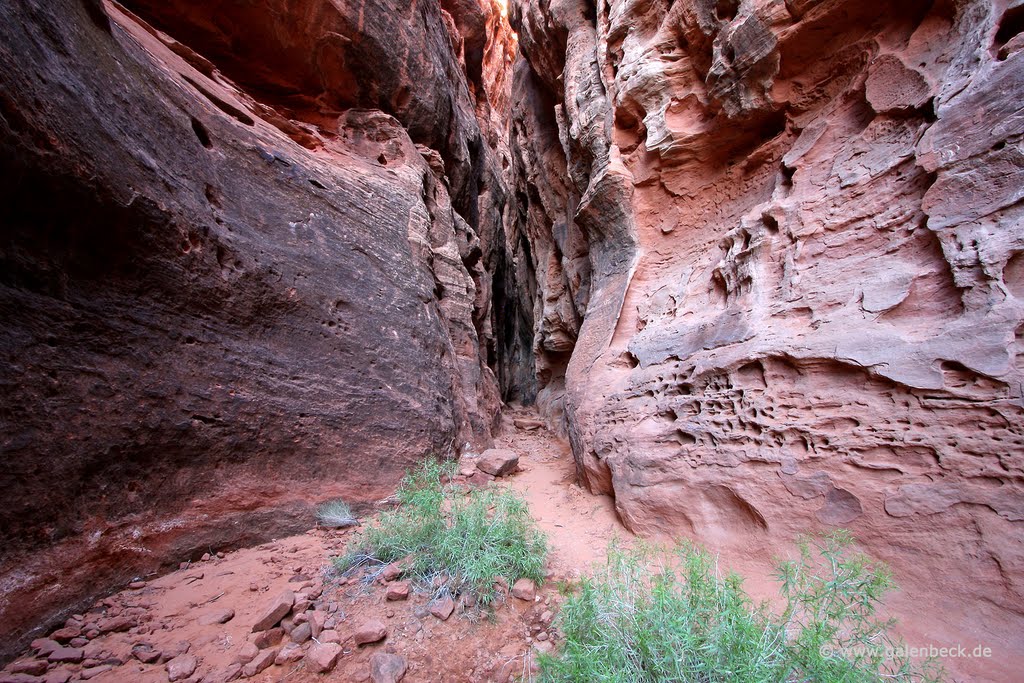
647,618
336,514
453,541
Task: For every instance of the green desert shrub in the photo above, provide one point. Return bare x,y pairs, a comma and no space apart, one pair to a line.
661,615
453,540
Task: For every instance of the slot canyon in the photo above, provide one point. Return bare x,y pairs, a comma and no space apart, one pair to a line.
758,263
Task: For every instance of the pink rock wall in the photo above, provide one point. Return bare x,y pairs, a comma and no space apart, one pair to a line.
806,234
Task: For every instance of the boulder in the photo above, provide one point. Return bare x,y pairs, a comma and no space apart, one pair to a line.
117,624
34,667
247,653
44,646
18,678
321,657
268,638
329,636
145,654
181,667
301,633
66,633
524,589
275,612
292,652
260,662
231,672
94,671
317,622
387,668
498,462
442,608
399,590
371,631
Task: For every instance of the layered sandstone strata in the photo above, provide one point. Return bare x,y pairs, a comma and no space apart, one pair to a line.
803,306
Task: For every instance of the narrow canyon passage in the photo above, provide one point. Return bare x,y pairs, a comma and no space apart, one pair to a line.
741,269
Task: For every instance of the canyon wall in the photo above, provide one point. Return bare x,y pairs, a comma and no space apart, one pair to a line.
762,261
243,270
779,257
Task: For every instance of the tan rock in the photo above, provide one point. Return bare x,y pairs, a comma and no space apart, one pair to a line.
399,590
275,612
498,462
181,667
442,608
387,668
260,662
370,631
525,589
247,653
321,657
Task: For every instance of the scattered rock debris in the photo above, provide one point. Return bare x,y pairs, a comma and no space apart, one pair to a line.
280,612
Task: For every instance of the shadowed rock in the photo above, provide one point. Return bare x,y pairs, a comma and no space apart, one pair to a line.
245,247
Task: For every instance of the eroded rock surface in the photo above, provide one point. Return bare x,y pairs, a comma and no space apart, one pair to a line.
762,260
802,307
242,272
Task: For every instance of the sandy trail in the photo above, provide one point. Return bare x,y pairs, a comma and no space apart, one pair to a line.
578,524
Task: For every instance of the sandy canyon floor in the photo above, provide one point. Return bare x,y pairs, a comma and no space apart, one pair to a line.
195,624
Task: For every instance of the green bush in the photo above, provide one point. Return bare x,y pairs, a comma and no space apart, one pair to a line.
647,618
455,541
